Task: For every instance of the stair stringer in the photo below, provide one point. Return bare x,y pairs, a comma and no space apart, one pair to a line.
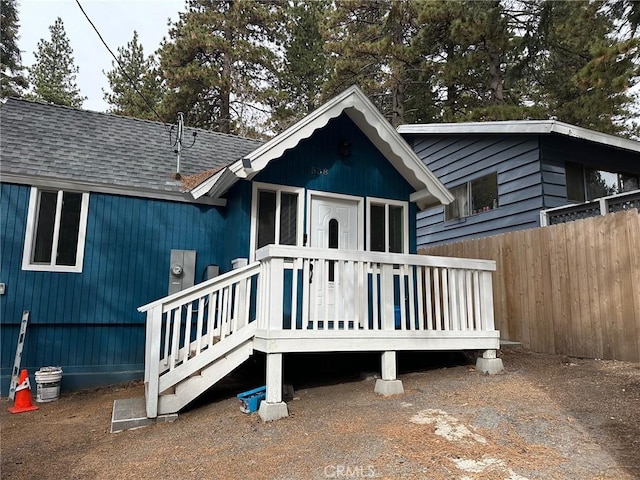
190,387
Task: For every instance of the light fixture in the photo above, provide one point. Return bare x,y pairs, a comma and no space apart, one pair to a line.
344,148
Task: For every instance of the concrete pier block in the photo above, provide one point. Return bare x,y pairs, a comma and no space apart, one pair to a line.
272,411
388,387
489,364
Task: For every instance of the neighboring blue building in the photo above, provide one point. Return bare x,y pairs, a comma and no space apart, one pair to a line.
502,174
90,213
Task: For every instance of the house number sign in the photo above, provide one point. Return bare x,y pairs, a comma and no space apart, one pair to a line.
319,171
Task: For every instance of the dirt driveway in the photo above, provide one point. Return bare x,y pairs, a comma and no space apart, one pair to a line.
548,417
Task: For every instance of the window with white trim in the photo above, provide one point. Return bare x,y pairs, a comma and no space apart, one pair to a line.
56,230
276,216
476,196
388,223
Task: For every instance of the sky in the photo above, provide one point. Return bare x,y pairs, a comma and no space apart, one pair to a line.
115,20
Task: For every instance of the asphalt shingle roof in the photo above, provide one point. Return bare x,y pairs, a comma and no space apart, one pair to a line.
78,145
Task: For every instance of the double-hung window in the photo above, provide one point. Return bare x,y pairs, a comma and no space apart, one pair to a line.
388,221
276,216
56,230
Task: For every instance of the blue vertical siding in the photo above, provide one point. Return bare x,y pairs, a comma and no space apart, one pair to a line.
365,173
237,231
87,322
456,159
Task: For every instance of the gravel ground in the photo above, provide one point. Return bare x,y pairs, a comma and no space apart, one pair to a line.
547,417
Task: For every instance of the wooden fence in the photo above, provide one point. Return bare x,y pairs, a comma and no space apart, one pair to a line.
571,289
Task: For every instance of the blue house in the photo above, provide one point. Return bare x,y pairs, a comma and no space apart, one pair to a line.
503,174
314,234
89,214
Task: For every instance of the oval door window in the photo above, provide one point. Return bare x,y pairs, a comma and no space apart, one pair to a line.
333,243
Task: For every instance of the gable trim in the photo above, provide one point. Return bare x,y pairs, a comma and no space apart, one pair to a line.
367,118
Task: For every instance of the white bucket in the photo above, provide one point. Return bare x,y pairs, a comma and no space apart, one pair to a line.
48,384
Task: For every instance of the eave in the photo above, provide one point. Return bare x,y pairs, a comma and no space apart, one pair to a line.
139,192
430,191
522,127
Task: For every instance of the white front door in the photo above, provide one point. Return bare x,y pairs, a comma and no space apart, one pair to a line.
333,225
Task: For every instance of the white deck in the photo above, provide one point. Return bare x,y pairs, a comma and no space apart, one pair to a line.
295,299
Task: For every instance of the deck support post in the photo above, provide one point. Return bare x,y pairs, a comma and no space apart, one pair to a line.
273,408
389,384
489,363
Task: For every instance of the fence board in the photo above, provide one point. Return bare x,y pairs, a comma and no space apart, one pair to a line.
572,288
594,322
633,230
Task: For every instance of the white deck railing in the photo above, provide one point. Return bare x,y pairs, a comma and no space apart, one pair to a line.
306,293
593,208
307,289
182,327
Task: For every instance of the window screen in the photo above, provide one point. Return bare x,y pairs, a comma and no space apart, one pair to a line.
45,227
377,228
288,218
396,229
266,218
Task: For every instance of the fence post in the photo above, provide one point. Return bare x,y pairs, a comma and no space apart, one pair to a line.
603,206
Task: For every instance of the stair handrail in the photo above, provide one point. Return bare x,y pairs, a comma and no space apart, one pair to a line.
154,323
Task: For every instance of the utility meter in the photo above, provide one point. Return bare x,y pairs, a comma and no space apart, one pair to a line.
182,270
177,270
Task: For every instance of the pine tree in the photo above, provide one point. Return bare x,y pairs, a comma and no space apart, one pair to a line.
12,79
53,76
134,70
371,43
585,73
219,61
474,54
305,64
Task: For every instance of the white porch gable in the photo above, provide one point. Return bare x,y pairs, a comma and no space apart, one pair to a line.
429,190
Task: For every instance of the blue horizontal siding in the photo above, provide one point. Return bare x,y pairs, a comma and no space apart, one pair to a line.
457,159
503,219
89,319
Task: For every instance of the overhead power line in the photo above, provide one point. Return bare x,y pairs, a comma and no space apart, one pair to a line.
123,69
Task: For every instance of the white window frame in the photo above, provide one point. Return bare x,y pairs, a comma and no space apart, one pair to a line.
469,199
386,202
32,220
278,189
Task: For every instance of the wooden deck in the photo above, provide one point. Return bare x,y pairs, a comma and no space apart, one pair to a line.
296,299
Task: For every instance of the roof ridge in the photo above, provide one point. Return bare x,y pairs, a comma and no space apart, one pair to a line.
125,117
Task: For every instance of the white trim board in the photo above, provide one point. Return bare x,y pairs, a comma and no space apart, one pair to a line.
253,235
32,219
353,102
522,127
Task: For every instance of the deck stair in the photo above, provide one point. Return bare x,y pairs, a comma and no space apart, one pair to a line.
301,299
196,337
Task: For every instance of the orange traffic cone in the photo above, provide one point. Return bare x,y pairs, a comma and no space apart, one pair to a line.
22,402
